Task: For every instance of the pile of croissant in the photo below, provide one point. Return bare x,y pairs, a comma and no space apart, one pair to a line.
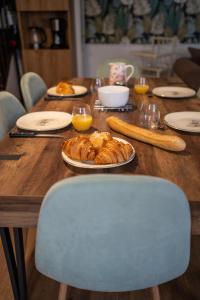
99,147
65,88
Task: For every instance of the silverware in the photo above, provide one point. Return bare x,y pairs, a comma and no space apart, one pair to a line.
49,98
33,135
13,156
60,98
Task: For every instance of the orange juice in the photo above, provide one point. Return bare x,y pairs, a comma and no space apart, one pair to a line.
141,88
82,121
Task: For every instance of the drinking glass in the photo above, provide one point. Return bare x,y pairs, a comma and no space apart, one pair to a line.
81,117
149,116
96,83
141,85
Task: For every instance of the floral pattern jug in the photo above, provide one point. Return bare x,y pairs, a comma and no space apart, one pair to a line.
118,73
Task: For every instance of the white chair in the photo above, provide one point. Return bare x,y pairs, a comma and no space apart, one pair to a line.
159,58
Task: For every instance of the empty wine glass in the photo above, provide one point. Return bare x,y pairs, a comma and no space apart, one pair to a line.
96,83
149,116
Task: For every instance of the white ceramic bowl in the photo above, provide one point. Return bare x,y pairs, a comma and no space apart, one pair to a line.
113,95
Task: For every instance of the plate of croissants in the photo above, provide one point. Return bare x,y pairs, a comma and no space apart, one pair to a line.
96,151
66,89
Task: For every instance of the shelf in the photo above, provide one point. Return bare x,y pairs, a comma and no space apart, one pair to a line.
42,5
45,49
34,16
42,21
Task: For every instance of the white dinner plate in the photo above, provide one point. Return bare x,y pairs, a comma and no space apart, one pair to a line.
79,90
91,165
44,120
173,92
184,120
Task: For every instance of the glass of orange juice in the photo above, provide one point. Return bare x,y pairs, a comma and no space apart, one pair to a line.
81,117
141,85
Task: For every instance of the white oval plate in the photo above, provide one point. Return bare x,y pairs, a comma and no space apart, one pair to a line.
90,165
184,120
79,90
173,92
44,120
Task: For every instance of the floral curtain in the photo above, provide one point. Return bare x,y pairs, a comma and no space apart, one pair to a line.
136,21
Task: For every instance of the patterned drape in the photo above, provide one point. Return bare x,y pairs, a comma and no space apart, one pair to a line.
136,21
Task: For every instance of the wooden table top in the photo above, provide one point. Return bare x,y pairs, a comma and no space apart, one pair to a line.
23,183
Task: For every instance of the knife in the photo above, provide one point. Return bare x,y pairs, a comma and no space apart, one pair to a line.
11,156
49,98
33,134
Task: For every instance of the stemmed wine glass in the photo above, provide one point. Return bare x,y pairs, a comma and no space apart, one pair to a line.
141,85
96,83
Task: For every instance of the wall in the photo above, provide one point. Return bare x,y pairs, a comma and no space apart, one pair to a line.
136,21
94,54
90,56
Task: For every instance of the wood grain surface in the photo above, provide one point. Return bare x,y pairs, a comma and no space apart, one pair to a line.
25,182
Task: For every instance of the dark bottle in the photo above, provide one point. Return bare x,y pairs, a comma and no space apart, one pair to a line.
58,28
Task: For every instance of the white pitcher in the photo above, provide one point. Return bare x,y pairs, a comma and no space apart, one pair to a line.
118,73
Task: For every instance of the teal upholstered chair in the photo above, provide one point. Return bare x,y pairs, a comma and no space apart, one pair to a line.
10,110
113,232
33,88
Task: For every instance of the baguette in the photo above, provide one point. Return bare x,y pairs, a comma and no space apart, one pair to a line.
168,142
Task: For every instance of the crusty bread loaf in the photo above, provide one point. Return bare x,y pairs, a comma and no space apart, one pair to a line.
168,142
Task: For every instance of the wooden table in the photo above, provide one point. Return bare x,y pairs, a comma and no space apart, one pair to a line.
24,182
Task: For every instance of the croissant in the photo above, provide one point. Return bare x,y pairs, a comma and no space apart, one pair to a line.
98,139
64,88
113,152
79,148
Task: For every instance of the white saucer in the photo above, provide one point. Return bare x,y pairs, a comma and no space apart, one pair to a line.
184,120
91,165
44,120
173,92
79,90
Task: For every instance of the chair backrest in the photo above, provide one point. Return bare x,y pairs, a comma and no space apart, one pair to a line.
10,110
113,232
168,42
33,88
103,69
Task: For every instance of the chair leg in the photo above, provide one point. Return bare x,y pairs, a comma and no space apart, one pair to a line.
62,292
155,292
